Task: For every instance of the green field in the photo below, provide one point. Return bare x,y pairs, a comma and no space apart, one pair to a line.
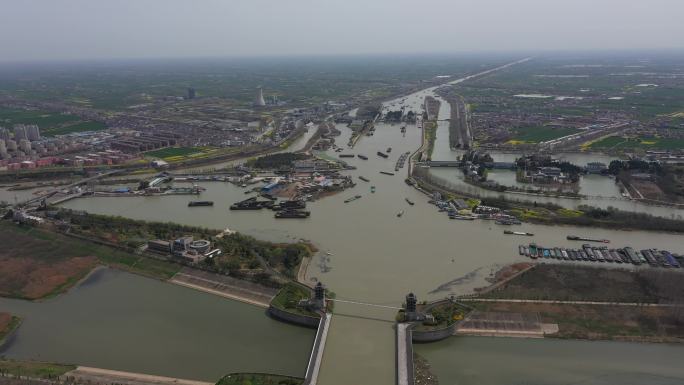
258,379
50,123
174,151
616,142
43,119
34,369
78,127
540,134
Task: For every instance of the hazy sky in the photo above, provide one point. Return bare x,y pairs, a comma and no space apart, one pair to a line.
68,29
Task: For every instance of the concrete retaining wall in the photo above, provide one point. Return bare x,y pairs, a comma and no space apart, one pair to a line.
404,358
297,319
433,335
314,366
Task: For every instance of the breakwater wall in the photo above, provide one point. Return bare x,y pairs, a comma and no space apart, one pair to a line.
293,318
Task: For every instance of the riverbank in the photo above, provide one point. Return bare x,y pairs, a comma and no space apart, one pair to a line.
88,375
38,263
551,214
224,286
592,303
8,324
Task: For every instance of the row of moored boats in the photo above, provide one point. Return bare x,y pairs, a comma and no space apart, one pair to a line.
653,257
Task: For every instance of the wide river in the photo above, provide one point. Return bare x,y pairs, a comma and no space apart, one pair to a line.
375,257
122,321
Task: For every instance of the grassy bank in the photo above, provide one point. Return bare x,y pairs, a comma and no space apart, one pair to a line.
34,369
8,323
289,296
240,252
601,322
583,283
36,263
259,379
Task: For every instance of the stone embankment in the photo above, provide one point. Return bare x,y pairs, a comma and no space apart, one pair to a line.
225,286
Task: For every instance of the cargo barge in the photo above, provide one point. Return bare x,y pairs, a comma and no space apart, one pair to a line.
386,173
286,214
251,204
576,238
382,154
200,203
346,155
352,199
363,178
290,205
362,157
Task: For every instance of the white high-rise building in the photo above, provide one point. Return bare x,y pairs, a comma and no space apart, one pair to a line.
25,146
260,98
33,132
3,149
20,133
4,133
11,145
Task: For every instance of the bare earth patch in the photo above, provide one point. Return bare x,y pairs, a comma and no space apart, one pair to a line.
32,278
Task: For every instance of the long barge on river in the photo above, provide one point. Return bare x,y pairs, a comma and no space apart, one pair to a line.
576,238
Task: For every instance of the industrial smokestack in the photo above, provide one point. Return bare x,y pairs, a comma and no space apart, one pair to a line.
260,98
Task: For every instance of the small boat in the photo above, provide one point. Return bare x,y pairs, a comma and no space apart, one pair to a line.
462,217
400,213
518,233
200,203
382,154
372,189
386,173
362,157
363,178
409,202
346,155
389,149
352,199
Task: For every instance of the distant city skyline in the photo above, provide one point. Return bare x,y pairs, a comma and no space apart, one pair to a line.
86,29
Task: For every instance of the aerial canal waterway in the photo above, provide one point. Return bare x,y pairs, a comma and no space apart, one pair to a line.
120,321
375,256
368,254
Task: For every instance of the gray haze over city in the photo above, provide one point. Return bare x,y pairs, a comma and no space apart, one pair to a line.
77,29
